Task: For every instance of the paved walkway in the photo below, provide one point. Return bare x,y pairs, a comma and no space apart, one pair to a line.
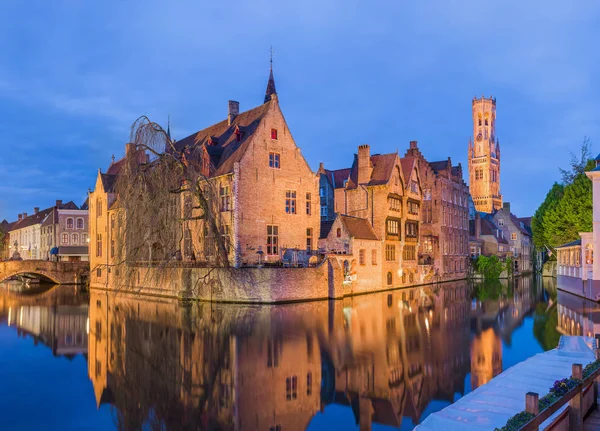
592,422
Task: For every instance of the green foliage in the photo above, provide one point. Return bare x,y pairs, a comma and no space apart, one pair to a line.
517,421
537,222
545,322
490,267
572,215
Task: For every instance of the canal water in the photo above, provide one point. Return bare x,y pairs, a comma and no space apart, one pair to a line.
100,361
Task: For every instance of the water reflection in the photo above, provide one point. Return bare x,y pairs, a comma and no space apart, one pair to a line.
54,316
163,365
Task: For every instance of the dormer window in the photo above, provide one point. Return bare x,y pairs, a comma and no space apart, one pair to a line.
238,134
274,134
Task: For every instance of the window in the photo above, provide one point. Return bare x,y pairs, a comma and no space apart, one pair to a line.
272,240
395,204
413,208
427,194
338,232
309,384
412,229
98,208
308,204
274,134
64,238
392,227
291,388
414,187
373,257
362,259
99,245
324,211
69,223
112,248
389,278
513,236
84,238
275,428
390,253
274,160
75,239
322,192
225,198
80,223
409,252
501,222
290,202
309,239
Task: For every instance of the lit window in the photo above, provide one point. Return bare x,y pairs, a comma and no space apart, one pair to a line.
395,204
65,238
513,236
393,227
75,239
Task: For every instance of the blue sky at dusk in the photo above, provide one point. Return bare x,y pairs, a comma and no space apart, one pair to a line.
75,74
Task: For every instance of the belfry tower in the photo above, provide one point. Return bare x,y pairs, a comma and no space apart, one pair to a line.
484,157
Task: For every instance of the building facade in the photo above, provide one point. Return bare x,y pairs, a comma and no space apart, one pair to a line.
444,216
484,157
268,196
64,233
518,238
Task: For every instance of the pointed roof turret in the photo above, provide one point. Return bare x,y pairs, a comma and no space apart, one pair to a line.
271,84
169,126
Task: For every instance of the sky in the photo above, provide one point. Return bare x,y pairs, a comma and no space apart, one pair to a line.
74,76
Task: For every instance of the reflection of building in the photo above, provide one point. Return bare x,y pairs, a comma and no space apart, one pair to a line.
486,358
577,315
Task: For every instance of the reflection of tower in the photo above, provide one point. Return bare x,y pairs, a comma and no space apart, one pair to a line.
484,157
486,358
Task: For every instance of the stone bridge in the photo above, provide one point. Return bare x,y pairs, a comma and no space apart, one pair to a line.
55,272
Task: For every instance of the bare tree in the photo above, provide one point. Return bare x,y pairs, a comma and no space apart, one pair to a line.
167,205
578,163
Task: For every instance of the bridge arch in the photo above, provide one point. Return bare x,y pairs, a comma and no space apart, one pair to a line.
41,274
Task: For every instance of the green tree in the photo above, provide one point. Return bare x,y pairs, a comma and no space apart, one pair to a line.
573,214
578,164
537,222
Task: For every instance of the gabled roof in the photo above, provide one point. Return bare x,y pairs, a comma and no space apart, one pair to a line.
439,166
115,167
108,182
517,223
338,177
325,228
358,228
488,228
221,140
33,219
383,166
408,164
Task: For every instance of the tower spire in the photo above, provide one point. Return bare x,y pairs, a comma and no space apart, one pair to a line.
271,84
169,126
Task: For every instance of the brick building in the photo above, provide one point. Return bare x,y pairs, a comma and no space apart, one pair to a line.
517,234
444,216
385,191
268,195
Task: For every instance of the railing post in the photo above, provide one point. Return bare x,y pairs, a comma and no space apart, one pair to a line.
532,405
576,403
597,380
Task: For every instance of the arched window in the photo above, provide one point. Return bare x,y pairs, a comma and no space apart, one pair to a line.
65,238
75,239
589,254
98,207
389,278
79,223
69,223
339,232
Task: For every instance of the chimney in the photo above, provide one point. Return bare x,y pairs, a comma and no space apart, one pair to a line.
58,203
506,207
24,215
36,210
364,164
20,217
234,110
129,149
413,144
